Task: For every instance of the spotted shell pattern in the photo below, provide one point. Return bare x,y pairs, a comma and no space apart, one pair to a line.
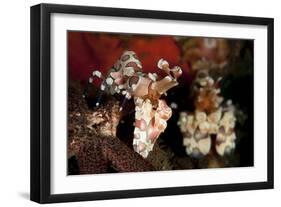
210,118
127,66
151,112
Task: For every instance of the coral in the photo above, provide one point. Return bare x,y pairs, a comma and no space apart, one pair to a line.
152,48
87,50
104,152
161,157
202,53
104,120
92,140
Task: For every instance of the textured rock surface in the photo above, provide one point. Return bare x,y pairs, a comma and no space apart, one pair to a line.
91,146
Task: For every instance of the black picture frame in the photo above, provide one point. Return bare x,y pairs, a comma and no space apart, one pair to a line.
41,96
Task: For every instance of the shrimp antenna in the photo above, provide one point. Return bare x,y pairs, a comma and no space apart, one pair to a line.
123,104
101,92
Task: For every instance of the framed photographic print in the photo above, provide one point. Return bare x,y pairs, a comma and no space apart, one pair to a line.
132,103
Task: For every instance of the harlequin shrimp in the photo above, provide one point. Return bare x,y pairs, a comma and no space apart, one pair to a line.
151,112
211,118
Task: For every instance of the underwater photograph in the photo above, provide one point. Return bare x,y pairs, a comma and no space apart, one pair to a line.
139,102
